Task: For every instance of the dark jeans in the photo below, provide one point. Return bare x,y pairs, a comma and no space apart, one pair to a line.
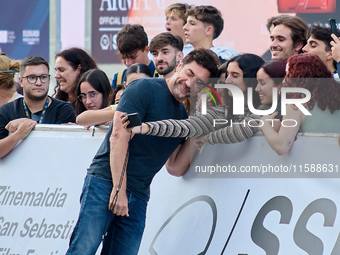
95,220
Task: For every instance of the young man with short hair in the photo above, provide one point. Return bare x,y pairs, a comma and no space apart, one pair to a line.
116,190
318,43
20,116
288,37
204,24
132,43
176,17
166,51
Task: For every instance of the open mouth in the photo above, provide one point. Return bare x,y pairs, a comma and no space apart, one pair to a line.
184,89
275,50
262,98
61,82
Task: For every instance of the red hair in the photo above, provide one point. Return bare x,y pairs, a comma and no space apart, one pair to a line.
314,76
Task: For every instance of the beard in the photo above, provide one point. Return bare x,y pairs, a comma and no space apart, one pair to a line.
177,91
168,69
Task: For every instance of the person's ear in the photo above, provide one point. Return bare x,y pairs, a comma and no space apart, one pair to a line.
179,56
329,56
298,48
78,69
209,30
20,81
178,67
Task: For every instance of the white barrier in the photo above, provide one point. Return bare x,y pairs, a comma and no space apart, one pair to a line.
40,185
277,215
41,182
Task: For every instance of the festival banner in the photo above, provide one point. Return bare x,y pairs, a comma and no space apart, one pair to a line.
24,28
244,21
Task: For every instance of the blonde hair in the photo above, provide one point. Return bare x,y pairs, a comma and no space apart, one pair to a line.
6,64
179,9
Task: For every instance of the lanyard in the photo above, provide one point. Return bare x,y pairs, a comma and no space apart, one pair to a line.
43,111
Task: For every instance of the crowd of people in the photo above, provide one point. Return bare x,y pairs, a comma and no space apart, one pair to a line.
164,90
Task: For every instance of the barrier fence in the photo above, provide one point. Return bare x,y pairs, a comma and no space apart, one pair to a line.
235,199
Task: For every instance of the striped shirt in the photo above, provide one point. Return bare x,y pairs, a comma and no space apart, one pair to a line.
207,126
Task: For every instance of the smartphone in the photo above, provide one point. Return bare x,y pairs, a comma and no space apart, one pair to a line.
332,23
134,120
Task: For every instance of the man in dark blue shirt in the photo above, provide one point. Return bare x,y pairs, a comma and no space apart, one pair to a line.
20,116
114,199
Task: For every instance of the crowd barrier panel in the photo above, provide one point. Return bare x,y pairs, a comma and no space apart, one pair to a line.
235,199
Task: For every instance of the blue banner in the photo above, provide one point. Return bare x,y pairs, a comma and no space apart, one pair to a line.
24,28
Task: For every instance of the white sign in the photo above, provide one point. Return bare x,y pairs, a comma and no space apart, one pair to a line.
40,187
255,212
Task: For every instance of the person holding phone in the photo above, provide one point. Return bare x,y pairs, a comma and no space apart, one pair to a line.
117,185
319,43
335,45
